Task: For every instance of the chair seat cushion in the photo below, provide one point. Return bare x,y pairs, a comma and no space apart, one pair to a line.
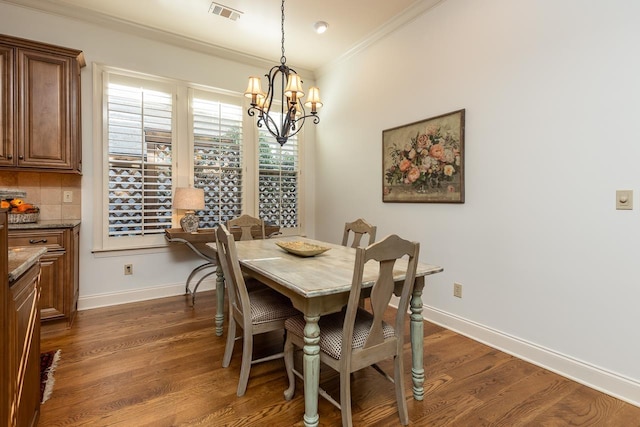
331,331
267,305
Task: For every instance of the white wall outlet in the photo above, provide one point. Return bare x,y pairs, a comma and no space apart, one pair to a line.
457,290
624,199
67,196
128,269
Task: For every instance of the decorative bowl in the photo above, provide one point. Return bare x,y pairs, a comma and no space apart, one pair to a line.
302,248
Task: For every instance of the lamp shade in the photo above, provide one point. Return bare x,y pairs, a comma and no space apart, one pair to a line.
294,91
313,99
188,198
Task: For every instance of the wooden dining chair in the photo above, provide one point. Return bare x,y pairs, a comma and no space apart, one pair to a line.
358,229
246,223
262,310
356,338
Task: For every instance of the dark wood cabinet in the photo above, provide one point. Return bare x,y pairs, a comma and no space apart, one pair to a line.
24,353
59,270
40,106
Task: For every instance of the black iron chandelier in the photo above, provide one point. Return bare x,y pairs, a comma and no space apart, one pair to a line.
292,113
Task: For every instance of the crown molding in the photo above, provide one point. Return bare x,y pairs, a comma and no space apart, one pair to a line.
410,14
144,31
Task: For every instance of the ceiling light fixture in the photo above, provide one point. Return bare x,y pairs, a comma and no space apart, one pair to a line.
320,27
291,112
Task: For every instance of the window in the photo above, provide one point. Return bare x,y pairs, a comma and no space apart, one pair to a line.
278,180
217,154
159,134
140,160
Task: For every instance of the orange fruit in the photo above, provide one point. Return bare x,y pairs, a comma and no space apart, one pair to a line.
16,202
24,207
5,205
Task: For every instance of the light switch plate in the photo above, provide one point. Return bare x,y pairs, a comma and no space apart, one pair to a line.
624,199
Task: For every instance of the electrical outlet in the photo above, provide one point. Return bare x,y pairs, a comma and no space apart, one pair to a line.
457,290
128,269
67,196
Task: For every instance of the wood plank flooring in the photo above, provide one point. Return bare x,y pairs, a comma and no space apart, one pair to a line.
158,363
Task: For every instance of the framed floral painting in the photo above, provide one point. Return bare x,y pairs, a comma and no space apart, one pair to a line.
423,162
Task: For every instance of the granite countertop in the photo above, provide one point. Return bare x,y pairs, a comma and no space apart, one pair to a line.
21,259
48,223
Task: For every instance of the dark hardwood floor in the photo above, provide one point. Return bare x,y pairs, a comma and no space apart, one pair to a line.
158,363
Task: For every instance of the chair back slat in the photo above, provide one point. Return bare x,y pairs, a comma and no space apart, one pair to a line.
246,223
234,280
358,228
385,253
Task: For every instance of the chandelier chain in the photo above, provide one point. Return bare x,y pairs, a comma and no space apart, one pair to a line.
283,59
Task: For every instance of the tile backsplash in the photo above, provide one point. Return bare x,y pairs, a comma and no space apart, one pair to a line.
45,190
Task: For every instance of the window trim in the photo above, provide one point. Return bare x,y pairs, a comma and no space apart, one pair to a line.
182,141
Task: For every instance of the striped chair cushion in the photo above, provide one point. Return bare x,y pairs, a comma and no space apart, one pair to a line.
331,331
268,305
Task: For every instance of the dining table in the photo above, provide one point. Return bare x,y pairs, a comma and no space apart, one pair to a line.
320,285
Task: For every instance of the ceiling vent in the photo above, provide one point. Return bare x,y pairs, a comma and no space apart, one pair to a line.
224,11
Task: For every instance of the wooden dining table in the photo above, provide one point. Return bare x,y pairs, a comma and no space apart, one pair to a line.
320,285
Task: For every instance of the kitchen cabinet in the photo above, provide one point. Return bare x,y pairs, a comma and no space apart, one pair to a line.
59,269
40,106
24,349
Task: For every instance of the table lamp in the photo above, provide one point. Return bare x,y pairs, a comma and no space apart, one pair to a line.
190,199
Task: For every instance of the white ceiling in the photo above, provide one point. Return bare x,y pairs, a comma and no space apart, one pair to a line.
257,34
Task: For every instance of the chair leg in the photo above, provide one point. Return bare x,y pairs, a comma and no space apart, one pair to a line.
231,339
398,378
345,398
247,353
288,364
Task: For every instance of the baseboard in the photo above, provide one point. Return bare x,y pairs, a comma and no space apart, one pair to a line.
144,294
591,376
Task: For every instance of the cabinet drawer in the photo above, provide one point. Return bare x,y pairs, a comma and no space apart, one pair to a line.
52,239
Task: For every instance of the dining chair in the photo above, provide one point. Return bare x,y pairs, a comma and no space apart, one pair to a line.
262,310
245,223
356,338
358,229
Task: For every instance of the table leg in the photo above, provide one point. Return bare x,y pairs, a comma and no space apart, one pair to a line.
417,338
219,300
311,369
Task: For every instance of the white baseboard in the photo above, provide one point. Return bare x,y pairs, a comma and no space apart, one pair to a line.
115,298
591,376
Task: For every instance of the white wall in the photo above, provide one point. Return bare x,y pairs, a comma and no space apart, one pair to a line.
551,93
158,272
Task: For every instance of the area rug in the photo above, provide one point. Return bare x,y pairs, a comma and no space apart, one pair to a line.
48,363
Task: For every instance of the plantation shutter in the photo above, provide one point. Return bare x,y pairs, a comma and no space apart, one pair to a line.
217,151
139,122
278,180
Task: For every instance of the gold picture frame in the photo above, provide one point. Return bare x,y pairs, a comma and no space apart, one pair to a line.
423,162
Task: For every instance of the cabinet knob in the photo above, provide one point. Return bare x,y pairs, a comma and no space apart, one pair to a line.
10,157
33,242
21,157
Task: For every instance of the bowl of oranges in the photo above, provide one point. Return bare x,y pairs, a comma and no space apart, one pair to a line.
20,212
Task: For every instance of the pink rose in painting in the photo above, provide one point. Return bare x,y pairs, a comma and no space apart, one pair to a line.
451,189
413,174
405,164
449,170
436,151
423,141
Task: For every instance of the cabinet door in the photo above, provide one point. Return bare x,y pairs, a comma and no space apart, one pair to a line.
6,105
26,395
44,130
52,283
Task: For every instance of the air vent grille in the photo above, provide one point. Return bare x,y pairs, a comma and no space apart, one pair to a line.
224,11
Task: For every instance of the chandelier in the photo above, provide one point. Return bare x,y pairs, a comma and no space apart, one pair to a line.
288,119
